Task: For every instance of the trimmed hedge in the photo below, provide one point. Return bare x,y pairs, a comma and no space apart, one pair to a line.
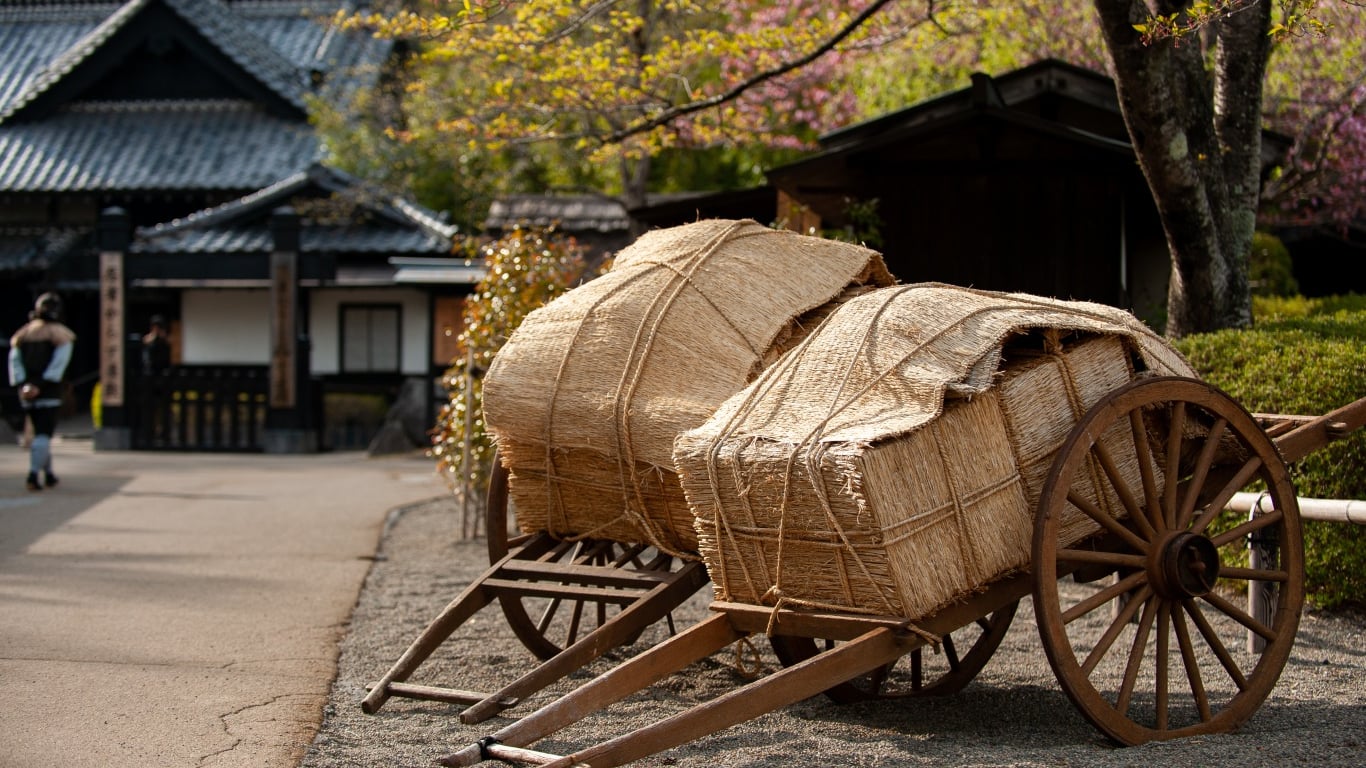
1305,356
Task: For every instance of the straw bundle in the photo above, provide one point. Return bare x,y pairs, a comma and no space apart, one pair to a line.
586,397
891,463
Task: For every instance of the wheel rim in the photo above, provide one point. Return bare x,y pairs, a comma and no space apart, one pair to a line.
1158,649
547,626
922,672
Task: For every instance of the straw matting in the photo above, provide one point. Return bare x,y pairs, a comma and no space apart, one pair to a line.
586,397
891,463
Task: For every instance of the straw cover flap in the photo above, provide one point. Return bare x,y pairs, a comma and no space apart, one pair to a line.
625,362
883,363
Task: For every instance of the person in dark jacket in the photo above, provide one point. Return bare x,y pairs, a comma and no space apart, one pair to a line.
39,353
156,348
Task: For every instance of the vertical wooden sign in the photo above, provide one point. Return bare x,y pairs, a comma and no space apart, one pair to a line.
284,268
111,328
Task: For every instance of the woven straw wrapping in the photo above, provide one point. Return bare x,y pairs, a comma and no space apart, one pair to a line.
586,397
892,462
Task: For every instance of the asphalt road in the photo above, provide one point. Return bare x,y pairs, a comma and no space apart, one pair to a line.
181,610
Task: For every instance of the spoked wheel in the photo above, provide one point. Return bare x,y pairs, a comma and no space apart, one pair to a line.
548,625
922,672
1158,649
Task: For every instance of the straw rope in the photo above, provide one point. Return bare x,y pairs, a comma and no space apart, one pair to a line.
841,394
588,394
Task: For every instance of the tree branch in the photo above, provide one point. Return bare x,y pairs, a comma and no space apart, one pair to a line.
670,114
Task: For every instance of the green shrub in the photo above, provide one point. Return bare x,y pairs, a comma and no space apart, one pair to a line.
1305,356
527,268
1269,267
1272,308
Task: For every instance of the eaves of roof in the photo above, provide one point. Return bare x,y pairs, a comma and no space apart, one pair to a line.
1046,75
951,122
397,211
572,213
227,240
28,248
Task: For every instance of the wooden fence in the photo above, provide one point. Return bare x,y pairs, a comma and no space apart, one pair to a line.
200,408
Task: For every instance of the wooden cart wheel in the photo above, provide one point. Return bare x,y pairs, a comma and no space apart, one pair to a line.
1159,649
927,673
496,513
558,622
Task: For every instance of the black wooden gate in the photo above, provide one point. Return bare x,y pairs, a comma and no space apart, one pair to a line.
200,408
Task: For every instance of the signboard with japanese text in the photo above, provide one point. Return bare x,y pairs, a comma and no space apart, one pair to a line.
283,308
111,328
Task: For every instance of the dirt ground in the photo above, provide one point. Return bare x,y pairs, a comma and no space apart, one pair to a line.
1013,714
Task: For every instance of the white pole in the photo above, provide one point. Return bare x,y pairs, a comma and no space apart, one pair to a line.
1331,510
1261,595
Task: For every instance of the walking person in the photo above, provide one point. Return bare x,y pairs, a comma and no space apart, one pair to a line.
39,353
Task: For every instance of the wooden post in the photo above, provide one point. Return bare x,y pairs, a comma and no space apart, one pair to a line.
1261,595
114,237
1261,553
466,487
284,301
287,423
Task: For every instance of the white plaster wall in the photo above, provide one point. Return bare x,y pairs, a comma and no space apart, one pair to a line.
325,319
226,326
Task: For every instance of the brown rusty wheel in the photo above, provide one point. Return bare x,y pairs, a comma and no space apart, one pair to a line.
1146,638
922,672
559,622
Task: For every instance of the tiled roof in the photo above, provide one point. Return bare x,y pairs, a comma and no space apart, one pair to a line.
33,36
171,145
280,44
153,146
572,213
346,61
380,225
224,28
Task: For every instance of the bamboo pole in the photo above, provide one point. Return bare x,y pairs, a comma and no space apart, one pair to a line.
1261,595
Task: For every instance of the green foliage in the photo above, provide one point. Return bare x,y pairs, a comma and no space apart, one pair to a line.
1269,267
1279,308
730,166
526,269
863,224
1305,356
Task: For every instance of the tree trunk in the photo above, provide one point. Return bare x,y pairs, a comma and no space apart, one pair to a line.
1197,134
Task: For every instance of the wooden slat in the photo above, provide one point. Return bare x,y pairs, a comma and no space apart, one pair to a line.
614,633
595,575
564,591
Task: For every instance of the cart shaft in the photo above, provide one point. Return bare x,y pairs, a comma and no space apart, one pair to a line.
1304,435
859,656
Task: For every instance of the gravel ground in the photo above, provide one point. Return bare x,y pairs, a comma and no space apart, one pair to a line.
1013,714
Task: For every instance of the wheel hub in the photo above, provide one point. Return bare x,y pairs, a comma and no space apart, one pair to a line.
1184,565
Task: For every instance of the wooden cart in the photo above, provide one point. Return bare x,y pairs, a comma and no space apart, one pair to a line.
1137,621
565,586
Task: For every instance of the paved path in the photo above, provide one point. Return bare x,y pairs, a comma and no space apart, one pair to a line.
165,609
